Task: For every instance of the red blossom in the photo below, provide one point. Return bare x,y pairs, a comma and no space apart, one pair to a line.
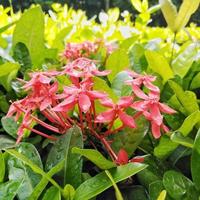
117,110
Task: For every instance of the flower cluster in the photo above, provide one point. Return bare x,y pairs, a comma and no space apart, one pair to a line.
56,105
85,49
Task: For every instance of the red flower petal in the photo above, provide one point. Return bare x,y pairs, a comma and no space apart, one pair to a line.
84,102
155,130
106,116
166,109
107,103
101,73
138,159
140,105
122,157
96,94
139,93
156,115
124,102
127,120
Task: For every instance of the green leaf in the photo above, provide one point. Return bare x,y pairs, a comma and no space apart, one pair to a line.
52,193
178,186
189,123
34,167
118,82
31,32
186,10
18,171
100,84
117,62
7,68
117,191
69,192
137,58
4,106
6,142
137,4
101,182
21,55
159,65
10,126
43,183
129,139
165,147
195,161
188,99
62,150
182,63
162,195
8,190
195,82
178,138
170,12
155,189
96,157
2,167
4,28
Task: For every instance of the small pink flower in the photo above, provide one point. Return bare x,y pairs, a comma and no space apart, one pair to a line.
151,109
117,110
82,95
83,68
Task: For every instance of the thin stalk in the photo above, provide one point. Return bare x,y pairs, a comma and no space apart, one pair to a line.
173,48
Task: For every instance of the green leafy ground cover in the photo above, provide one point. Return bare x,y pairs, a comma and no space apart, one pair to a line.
38,168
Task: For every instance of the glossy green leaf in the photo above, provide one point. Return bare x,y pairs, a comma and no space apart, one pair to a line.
170,12
8,190
96,157
178,138
33,166
165,147
117,191
187,99
119,82
162,195
195,161
178,186
195,82
155,189
100,84
129,139
52,193
43,183
62,150
2,167
101,182
137,4
31,32
69,192
117,62
19,171
137,58
159,65
6,142
10,126
21,55
186,10
182,63
8,68
4,106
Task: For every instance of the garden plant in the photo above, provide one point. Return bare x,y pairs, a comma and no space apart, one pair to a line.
100,108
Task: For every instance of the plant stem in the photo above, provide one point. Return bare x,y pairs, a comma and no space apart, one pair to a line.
173,48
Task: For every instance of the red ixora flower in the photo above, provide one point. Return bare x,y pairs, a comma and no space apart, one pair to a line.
117,110
83,68
122,158
82,95
74,51
151,109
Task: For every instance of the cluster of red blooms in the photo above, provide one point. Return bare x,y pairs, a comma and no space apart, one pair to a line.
43,95
85,49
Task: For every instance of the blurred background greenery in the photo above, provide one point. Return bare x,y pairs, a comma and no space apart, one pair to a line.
93,7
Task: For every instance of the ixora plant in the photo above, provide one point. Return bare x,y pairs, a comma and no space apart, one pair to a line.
79,106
